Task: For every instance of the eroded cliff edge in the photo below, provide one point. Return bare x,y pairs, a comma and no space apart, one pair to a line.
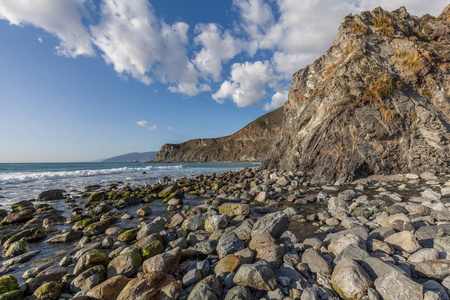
251,143
376,103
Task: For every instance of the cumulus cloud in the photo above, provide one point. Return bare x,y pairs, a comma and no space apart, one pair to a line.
61,18
146,124
217,48
247,83
278,99
274,37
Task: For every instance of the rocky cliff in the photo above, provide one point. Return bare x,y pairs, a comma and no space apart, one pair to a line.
376,103
251,143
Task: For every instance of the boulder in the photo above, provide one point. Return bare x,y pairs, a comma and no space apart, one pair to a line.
434,269
229,243
349,280
273,223
144,211
128,236
352,251
54,273
403,241
257,276
271,253
99,227
8,283
375,267
315,262
228,264
109,289
90,258
234,209
66,237
153,285
88,279
55,194
216,222
48,291
195,222
389,220
339,244
394,285
125,264
239,292
423,255
166,262
19,217
17,248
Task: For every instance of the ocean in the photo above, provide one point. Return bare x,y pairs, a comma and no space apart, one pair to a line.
24,181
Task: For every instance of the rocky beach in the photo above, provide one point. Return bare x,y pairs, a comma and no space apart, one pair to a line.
351,202
251,234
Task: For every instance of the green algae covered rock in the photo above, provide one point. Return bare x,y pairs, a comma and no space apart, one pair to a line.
125,264
17,248
8,283
13,295
99,227
129,235
234,209
48,291
99,196
153,248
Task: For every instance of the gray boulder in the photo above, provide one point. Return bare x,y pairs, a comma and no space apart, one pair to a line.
396,286
274,224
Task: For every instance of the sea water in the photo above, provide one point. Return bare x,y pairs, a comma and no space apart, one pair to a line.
24,181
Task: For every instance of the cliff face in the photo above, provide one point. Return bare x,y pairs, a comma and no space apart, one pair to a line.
251,143
376,103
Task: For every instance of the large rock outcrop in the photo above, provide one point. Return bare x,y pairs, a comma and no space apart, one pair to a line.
251,143
376,103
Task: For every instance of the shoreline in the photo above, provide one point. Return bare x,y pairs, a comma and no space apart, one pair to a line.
215,220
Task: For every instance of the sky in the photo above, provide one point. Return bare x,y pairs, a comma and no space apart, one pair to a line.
82,80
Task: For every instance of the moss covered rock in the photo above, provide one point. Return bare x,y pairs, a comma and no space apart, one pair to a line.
48,291
99,227
13,295
90,258
125,264
8,283
17,248
99,196
80,225
153,248
144,211
129,235
21,206
234,209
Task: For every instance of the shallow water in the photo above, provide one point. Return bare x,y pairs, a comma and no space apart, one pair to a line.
25,181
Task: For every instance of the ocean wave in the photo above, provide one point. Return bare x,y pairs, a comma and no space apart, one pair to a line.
24,177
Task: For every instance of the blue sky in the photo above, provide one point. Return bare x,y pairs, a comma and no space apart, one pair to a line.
82,80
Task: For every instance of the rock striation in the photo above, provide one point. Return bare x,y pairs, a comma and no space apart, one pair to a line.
251,143
376,103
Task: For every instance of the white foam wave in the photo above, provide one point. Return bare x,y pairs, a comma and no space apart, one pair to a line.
24,177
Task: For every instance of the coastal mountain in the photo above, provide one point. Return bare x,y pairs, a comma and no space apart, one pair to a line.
376,103
134,156
251,143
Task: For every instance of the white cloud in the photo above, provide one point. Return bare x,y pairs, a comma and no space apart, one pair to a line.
146,124
61,18
277,100
137,42
217,48
247,83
